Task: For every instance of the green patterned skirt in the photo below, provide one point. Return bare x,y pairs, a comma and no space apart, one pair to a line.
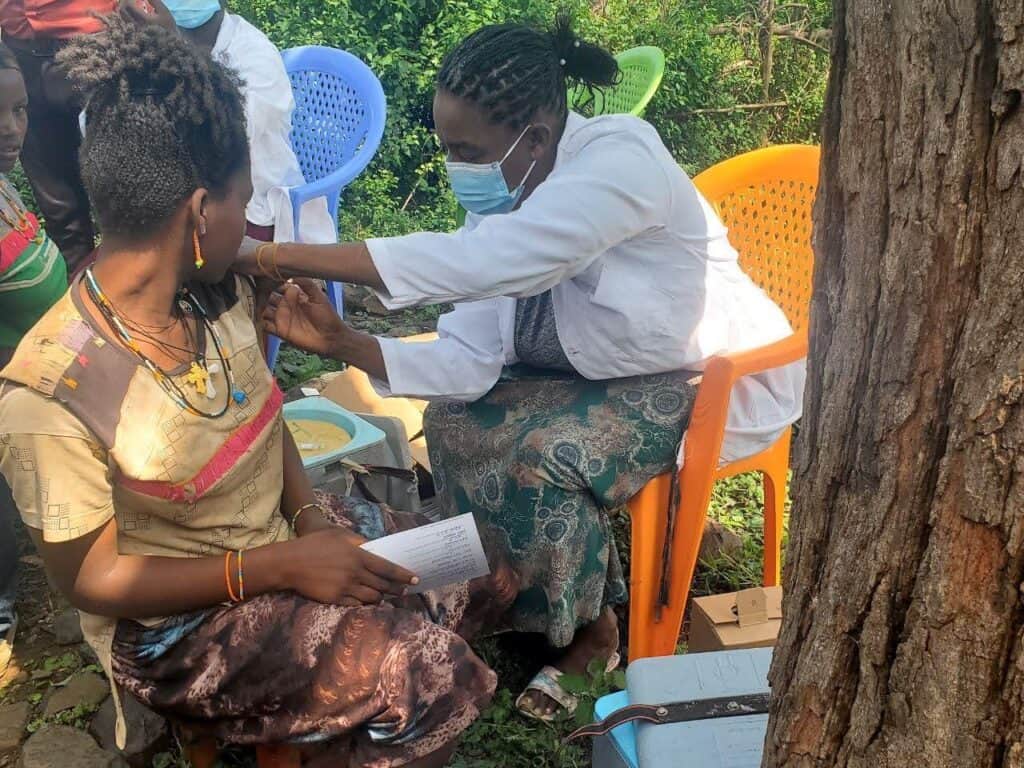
540,460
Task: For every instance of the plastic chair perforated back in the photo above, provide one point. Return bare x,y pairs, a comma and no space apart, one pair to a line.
765,198
337,127
339,112
642,70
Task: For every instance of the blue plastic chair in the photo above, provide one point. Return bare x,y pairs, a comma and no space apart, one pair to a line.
337,126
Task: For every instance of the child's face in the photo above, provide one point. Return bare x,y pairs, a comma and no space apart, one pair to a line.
13,117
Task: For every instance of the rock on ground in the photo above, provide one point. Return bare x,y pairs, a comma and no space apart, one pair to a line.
85,688
13,718
719,540
59,746
147,731
67,627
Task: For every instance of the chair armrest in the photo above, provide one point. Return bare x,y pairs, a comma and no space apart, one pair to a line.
784,352
707,422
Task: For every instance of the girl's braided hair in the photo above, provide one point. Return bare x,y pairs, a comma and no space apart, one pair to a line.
162,120
513,70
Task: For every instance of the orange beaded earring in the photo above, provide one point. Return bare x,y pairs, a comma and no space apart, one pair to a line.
196,249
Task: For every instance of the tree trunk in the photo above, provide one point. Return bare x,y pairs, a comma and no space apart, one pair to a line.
902,641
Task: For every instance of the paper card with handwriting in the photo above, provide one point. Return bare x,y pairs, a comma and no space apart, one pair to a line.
440,553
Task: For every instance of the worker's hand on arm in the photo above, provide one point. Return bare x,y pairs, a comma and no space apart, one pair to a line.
340,262
299,312
245,261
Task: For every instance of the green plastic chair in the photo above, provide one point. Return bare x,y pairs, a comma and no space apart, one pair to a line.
642,69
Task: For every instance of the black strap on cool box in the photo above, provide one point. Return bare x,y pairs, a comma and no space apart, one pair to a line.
679,712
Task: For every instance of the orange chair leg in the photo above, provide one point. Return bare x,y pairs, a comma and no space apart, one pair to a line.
650,635
647,513
774,509
774,478
277,756
689,531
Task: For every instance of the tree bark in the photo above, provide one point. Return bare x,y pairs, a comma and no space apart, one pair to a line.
902,638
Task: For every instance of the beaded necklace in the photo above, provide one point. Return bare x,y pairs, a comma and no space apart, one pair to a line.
199,372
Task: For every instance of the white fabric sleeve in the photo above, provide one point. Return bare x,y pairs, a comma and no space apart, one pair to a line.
268,110
463,363
613,190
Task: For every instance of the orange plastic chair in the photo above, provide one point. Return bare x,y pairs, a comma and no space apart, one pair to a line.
765,199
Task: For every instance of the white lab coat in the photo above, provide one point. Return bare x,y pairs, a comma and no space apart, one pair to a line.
268,112
642,275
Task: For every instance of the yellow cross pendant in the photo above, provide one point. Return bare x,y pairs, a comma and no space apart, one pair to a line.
198,377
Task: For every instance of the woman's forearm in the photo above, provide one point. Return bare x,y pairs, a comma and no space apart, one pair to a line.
298,491
136,586
362,351
341,262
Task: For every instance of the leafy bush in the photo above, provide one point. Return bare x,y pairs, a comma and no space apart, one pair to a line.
709,66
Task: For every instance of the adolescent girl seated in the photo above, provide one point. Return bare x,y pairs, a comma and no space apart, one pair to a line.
143,440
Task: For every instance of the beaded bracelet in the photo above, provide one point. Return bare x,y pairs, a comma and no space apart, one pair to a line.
241,579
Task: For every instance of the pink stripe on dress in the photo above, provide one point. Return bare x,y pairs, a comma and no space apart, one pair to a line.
226,457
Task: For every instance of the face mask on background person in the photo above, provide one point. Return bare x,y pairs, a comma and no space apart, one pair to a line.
481,187
189,14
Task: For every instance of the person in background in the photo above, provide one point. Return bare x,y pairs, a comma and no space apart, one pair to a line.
592,283
269,104
166,494
33,277
36,30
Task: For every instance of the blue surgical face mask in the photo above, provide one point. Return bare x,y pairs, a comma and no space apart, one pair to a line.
481,187
189,14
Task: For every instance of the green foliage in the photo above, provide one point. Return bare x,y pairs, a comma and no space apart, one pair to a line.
502,738
77,717
295,366
590,687
403,41
737,503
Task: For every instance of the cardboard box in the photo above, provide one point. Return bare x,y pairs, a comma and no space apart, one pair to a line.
747,619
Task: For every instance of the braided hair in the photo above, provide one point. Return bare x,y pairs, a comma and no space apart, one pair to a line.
513,70
162,120
7,58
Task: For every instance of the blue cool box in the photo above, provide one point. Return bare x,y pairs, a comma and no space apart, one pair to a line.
734,742
363,433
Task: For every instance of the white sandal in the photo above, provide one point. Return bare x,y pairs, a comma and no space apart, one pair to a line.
546,682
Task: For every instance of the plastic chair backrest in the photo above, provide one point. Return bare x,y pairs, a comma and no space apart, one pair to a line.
340,111
765,197
642,69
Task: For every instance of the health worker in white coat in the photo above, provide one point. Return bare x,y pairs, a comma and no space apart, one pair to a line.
591,284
